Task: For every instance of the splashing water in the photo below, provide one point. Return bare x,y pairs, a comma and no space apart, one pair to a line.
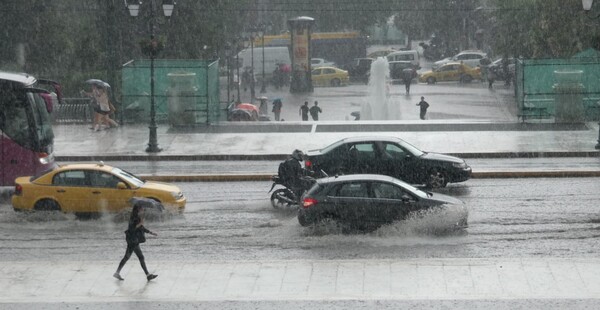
378,105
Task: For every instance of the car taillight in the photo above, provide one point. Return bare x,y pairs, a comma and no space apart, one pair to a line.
18,189
307,163
309,202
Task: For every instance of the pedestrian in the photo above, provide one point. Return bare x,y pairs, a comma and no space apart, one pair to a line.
134,235
304,111
407,75
315,110
491,76
424,105
277,104
102,107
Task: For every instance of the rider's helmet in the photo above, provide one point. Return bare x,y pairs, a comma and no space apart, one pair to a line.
298,155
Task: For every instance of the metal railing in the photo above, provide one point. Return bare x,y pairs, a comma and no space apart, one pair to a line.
73,111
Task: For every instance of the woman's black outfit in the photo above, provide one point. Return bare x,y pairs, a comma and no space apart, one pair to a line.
134,235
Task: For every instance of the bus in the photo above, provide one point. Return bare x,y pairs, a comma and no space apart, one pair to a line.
26,136
339,47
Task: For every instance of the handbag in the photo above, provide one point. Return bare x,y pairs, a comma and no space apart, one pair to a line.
135,237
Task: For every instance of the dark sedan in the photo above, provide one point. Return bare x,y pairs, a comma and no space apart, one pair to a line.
367,201
389,156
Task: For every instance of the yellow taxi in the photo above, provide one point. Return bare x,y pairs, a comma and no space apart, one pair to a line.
452,71
329,76
90,188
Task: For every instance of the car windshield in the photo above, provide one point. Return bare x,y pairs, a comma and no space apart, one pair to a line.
128,176
411,148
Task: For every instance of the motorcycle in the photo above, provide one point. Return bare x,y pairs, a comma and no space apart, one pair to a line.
285,198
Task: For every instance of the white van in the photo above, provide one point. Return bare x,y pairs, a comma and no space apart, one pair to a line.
273,56
411,55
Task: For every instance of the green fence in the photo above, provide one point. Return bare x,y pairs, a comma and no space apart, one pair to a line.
535,84
186,92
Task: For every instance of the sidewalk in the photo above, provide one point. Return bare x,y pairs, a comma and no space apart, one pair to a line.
425,279
275,141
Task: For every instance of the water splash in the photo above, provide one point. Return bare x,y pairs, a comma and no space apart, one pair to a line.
378,105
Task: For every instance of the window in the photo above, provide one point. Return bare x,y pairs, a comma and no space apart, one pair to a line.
316,72
70,178
387,191
328,71
363,150
394,150
358,190
103,179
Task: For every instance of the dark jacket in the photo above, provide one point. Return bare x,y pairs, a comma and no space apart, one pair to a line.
133,234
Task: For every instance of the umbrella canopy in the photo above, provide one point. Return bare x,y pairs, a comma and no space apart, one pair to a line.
97,82
147,203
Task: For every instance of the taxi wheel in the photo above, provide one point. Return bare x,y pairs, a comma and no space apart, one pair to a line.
46,205
430,80
466,79
335,82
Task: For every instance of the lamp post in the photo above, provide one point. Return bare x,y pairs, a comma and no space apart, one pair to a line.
587,7
263,88
134,9
237,68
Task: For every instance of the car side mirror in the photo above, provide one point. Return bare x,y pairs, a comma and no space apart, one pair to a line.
121,185
406,198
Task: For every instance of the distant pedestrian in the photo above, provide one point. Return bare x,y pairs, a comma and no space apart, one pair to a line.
407,75
277,104
304,111
491,77
315,110
134,235
424,105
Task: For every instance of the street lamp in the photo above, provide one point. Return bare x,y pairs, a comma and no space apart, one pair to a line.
134,8
587,6
263,88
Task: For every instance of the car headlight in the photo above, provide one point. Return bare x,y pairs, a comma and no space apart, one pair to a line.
462,165
177,195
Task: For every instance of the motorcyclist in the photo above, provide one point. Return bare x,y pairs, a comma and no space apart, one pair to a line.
292,173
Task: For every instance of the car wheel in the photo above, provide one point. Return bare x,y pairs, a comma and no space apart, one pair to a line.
336,82
46,205
430,80
436,179
466,78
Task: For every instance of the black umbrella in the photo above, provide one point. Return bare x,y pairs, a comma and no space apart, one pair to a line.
98,82
147,203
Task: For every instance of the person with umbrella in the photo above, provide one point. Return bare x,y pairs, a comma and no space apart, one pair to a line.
102,106
277,104
134,235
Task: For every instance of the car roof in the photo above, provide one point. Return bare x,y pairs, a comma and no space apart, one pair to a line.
400,62
22,78
370,138
95,166
357,177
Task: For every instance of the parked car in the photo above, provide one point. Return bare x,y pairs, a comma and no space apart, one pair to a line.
359,69
397,67
498,67
329,76
408,55
389,156
90,188
451,72
367,201
320,62
470,58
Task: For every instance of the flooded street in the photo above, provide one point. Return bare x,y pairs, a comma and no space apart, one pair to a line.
514,218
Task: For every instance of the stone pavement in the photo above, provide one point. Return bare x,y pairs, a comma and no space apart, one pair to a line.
425,279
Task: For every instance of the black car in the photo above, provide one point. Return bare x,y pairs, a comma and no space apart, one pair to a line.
367,201
389,156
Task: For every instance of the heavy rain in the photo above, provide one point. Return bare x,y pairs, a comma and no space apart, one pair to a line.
333,154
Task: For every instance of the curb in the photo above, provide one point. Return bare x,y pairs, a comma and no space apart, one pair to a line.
222,157
267,177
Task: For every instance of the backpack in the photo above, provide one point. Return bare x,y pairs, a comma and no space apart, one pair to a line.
284,171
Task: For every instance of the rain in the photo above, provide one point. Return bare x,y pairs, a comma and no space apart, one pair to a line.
239,124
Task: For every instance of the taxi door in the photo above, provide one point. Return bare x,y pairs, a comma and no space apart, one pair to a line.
105,196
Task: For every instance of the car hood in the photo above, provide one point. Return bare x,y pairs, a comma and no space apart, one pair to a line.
443,61
311,153
444,199
159,186
441,157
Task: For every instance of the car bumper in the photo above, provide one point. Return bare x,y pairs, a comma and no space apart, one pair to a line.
19,204
461,175
306,217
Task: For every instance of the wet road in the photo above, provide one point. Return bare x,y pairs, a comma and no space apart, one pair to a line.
231,221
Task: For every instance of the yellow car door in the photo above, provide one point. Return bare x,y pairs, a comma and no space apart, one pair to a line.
72,191
317,77
105,195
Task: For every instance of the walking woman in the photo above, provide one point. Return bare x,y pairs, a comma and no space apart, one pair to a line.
134,235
